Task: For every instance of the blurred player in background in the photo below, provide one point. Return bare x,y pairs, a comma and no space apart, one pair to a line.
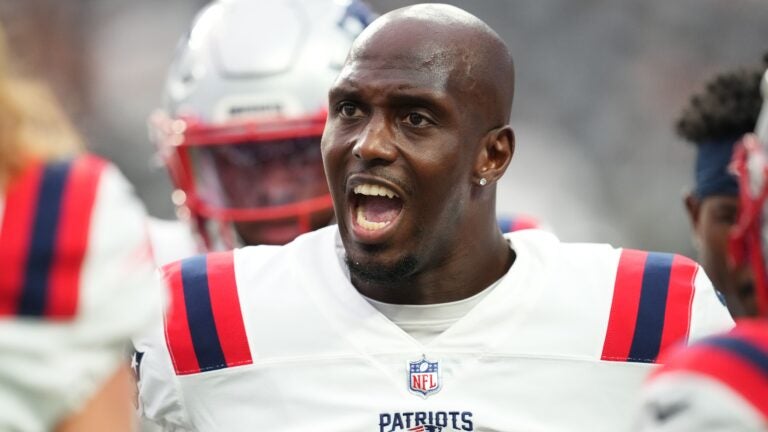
721,383
714,120
77,275
244,113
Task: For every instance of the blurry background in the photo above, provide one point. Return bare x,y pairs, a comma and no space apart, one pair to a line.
599,83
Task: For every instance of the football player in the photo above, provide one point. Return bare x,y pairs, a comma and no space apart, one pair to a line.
414,312
721,383
244,109
714,120
77,276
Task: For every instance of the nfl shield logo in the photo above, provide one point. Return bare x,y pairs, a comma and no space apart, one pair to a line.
424,377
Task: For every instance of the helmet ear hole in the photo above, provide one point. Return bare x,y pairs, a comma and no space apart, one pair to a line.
241,104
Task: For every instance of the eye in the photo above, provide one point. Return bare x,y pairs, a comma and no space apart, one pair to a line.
417,119
348,110
726,215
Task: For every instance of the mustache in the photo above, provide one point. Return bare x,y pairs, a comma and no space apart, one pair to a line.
381,172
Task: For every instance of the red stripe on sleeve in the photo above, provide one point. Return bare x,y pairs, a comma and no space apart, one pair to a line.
177,335
225,304
725,367
16,234
677,315
626,300
72,236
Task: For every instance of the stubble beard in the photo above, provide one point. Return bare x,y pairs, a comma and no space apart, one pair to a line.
376,274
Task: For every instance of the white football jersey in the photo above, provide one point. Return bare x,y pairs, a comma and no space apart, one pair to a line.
77,281
720,384
277,338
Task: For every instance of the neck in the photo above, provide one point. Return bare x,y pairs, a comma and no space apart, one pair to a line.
469,268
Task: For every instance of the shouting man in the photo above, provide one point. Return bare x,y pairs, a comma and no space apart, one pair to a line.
415,312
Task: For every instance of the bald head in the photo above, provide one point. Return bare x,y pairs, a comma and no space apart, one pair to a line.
450,43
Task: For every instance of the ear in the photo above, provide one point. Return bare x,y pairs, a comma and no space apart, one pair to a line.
693,207
496,152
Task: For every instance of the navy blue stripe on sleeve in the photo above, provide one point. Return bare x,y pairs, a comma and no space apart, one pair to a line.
202,326
646,341
33,296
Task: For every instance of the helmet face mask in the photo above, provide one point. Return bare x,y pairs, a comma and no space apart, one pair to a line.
256,175
244,114
749,238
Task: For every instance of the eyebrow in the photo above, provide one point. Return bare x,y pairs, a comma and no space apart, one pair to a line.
402,97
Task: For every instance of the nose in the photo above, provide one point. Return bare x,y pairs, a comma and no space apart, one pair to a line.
376,141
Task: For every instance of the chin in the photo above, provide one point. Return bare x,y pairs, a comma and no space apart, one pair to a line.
376,271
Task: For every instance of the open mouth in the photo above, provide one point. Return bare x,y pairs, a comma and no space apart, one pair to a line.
375,207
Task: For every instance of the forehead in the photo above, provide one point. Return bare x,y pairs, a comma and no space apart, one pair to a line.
401,60
393,75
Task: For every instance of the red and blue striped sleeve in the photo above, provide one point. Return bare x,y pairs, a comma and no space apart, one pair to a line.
44,237
651,306
204,326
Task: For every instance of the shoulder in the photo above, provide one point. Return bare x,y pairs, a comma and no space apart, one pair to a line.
203,294
726,370
59,218
205,325
738,359
659,300
653,300
78,270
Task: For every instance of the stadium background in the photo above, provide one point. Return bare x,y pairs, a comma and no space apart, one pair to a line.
598,85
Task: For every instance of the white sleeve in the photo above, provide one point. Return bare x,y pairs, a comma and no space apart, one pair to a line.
709,315
50,368
160,399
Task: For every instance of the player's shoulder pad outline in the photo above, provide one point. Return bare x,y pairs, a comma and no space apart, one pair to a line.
204,328
738,359
44,237
651,306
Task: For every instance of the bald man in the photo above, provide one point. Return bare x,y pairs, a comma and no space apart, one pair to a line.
415,313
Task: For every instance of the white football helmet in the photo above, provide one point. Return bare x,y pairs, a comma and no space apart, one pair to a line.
244,109
749,239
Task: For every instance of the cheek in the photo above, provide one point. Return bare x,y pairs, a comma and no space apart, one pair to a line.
332,157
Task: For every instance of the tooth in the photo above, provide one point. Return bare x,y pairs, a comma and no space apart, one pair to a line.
374,190
368,225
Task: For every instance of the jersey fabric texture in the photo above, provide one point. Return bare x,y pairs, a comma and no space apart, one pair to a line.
277,338
77,282
718,384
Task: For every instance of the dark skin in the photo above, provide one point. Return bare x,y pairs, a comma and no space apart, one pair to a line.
421,108
712,219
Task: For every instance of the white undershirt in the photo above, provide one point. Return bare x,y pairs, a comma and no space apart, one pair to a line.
426,322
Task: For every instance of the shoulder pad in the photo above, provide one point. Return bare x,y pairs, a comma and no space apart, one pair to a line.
204,327
651,307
